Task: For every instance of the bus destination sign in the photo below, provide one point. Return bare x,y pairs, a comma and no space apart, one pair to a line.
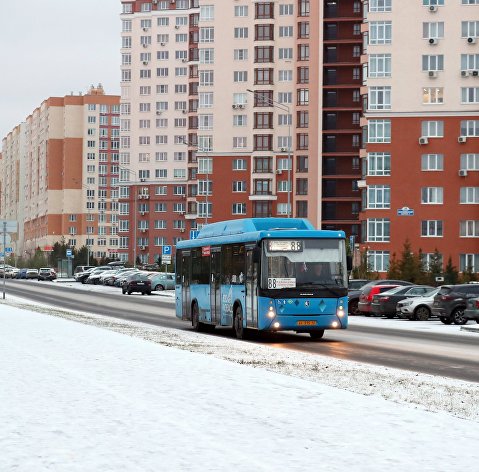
285,245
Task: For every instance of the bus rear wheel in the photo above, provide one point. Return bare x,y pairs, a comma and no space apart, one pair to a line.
195,318
240,332
317,334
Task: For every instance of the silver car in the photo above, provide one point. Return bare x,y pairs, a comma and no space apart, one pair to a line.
417,308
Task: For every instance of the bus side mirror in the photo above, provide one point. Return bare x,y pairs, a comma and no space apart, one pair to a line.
349,263
257,254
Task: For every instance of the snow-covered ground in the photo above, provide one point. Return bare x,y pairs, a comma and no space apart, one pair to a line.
81,392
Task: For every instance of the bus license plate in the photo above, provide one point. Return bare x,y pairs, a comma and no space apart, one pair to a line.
307,323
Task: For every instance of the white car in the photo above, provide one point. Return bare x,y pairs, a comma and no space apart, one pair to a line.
417,308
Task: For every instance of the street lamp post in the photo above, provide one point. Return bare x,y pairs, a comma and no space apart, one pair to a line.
134,212
281,106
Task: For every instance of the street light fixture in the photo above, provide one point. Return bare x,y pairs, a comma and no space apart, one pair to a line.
134,211
281,106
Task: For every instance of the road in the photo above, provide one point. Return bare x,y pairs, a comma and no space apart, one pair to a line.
426,352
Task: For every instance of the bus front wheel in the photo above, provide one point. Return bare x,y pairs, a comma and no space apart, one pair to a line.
317,334
195,318
238,323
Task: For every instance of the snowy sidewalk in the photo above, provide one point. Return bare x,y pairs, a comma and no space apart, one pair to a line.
78,398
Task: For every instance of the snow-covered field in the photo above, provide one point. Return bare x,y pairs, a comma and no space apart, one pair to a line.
100,394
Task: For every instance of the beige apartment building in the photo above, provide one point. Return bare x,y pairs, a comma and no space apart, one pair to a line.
59,174
421,151
222,116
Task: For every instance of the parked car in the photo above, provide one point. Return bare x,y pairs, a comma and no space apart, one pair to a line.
47,273
123,275
385,304
22,274
353,295
357,284
417,308
162,281
79,276
110,279
472,309
83,276
82,268
95,277
450,302
31,274
13,273
366,297
137,282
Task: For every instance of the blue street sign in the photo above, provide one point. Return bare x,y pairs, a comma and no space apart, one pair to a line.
405,211
69,253
194,234
8,249
166,250
352,238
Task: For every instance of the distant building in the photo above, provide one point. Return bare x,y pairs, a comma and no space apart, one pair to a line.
421,140
59,174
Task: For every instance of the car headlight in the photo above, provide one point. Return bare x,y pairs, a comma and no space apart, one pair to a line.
408,303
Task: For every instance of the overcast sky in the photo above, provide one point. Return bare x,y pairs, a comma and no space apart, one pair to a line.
54,47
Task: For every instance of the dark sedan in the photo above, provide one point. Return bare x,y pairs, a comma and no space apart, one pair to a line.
136,283
384,304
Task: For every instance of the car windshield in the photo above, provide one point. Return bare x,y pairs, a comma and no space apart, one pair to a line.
394,290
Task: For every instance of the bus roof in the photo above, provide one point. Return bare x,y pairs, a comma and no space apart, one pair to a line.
255,229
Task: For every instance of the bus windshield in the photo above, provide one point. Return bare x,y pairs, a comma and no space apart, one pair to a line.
303,263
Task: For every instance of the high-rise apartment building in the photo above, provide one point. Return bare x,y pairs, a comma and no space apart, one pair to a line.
222,115
421,153
59,174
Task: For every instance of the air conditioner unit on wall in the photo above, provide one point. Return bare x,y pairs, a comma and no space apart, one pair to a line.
475,73
462,139
464,73
462,173
471,40
432,8
433,41
432,73
423,140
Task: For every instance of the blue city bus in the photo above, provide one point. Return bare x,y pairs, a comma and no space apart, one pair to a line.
262,274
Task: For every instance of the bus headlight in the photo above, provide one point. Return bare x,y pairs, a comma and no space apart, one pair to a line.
334,324
340,312
271,313
276,325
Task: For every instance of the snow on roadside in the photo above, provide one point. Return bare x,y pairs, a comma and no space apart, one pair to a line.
423,391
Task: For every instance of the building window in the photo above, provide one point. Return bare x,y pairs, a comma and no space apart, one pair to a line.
239,164
263,120
432,129
469,195
264,10
470,62
264,54
379,98
432,63
469,229
262,186
239,209
263,76
432,195
379,163
380,32
264,32
263,142
431,228
241,11
301,186
432,162
380,6
263,164
470,128
469,29
378,230
432,95
379,196
433,30
470,161
239,186
379,131
469,95
241,33
378,260
429,3
469,262
379,65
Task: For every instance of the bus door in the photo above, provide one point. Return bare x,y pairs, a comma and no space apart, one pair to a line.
215,285
251,289
185,281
